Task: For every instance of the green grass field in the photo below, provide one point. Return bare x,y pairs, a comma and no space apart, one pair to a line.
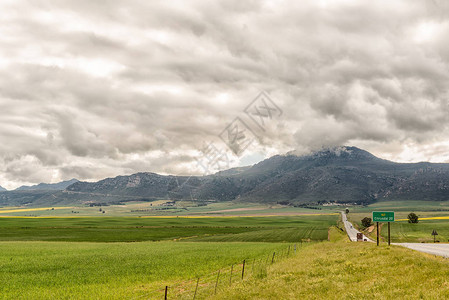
87,257
61,270
254,229
421,232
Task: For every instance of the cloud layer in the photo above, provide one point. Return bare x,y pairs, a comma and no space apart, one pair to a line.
90,90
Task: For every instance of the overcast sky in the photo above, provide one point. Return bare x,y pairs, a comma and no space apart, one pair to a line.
94,89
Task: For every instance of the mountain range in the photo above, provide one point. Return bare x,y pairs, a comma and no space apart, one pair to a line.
2,189
48,186
341,174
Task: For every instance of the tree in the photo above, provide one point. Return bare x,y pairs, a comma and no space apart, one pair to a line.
412,218
366,222
347,211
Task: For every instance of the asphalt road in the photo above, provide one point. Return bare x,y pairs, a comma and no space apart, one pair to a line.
435,249
352,232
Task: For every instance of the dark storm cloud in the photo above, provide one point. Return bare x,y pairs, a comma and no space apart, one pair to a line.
89,89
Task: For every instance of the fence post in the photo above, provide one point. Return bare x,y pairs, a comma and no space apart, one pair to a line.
216,284
230,276
166,290
243,269
196,289
272,260
288,253
252,267
295,248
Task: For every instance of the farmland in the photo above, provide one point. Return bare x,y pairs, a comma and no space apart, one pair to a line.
116,229
402,231
162,208
55,270
87,257
117,257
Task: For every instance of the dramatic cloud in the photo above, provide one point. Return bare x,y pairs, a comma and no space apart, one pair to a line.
90,89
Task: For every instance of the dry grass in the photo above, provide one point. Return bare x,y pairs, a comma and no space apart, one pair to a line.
343,270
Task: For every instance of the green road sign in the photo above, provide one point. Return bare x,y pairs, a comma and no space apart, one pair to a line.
383,216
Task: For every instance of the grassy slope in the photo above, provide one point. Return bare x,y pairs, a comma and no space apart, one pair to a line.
337,270
58,270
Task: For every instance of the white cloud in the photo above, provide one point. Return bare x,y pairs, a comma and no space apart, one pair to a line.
91,90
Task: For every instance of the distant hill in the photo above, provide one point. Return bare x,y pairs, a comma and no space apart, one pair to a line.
48,186
342,174
2,189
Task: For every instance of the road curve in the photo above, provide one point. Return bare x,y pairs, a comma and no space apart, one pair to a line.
351,231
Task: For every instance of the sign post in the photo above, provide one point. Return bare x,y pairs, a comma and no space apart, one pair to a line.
434,233
384,217
377,230
388,233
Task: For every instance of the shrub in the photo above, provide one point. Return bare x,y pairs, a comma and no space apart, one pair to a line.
412,218
366,222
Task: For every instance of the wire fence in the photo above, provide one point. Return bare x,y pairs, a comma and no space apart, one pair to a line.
218,280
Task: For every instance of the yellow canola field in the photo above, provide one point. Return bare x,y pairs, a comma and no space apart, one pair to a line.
429,218
31,209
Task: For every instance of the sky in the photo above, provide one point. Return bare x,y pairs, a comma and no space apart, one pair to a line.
95,89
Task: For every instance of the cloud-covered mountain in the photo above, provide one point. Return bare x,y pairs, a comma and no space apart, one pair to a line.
48,186
2,189
343,174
